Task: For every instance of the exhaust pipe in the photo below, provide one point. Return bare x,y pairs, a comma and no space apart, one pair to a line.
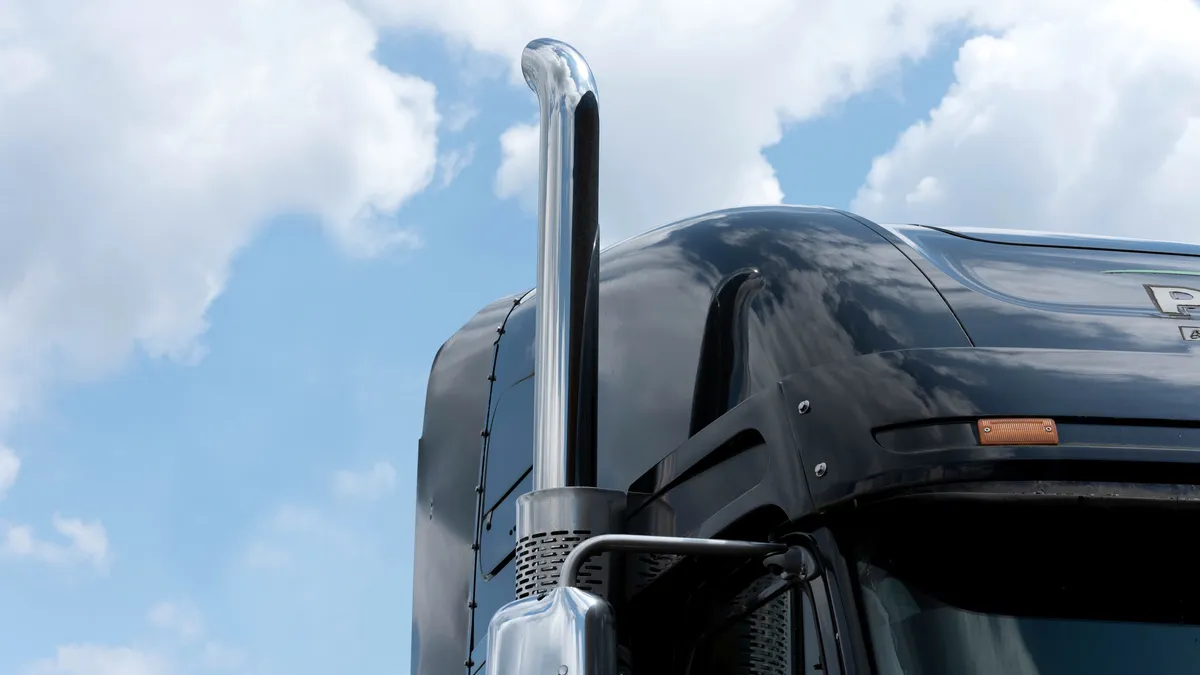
565,507
564,447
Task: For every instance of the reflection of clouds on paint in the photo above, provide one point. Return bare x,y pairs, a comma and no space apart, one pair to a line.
1044,297
830,289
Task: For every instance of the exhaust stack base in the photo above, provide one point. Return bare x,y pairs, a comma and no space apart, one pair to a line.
553,522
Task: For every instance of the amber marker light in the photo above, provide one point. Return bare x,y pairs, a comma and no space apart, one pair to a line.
1018,431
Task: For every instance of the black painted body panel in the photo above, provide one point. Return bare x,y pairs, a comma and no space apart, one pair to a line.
1057,292
456,402
714,330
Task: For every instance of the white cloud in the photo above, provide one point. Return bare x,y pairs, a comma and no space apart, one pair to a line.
143,144
517,176
368,484
692,91
452,162
1085,122
10,467
458,116
86,543
182,620
91,659
1072,113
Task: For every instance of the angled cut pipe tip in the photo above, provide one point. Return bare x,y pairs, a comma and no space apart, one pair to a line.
565,361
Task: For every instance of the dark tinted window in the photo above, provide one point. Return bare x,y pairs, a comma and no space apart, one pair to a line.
1021,591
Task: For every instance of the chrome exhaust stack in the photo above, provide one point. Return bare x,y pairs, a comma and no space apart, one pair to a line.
548,627
564,447
565,507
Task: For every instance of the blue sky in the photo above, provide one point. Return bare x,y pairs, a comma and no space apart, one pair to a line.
257,501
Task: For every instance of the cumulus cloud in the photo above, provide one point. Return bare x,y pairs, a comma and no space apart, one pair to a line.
92,659
1086,122
1070,114
371,483
182,621
143,144
691,93
86,542
517,176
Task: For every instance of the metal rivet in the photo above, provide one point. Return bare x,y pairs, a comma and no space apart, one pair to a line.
820,469
562,670
987,430
804,407
1049,429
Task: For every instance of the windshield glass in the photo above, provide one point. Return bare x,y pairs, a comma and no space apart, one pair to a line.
985,591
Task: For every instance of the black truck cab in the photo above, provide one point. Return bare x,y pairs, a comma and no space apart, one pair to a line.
985,444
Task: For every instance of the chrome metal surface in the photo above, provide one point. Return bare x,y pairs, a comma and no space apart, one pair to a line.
647,543
568,632
1174,301
553,522
568,264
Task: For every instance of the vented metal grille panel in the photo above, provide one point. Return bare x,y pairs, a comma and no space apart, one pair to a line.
539,559
551,523
647,567
764,640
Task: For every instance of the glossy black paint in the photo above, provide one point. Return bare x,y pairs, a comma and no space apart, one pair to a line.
456,402
1038,295
1093,396
712,332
